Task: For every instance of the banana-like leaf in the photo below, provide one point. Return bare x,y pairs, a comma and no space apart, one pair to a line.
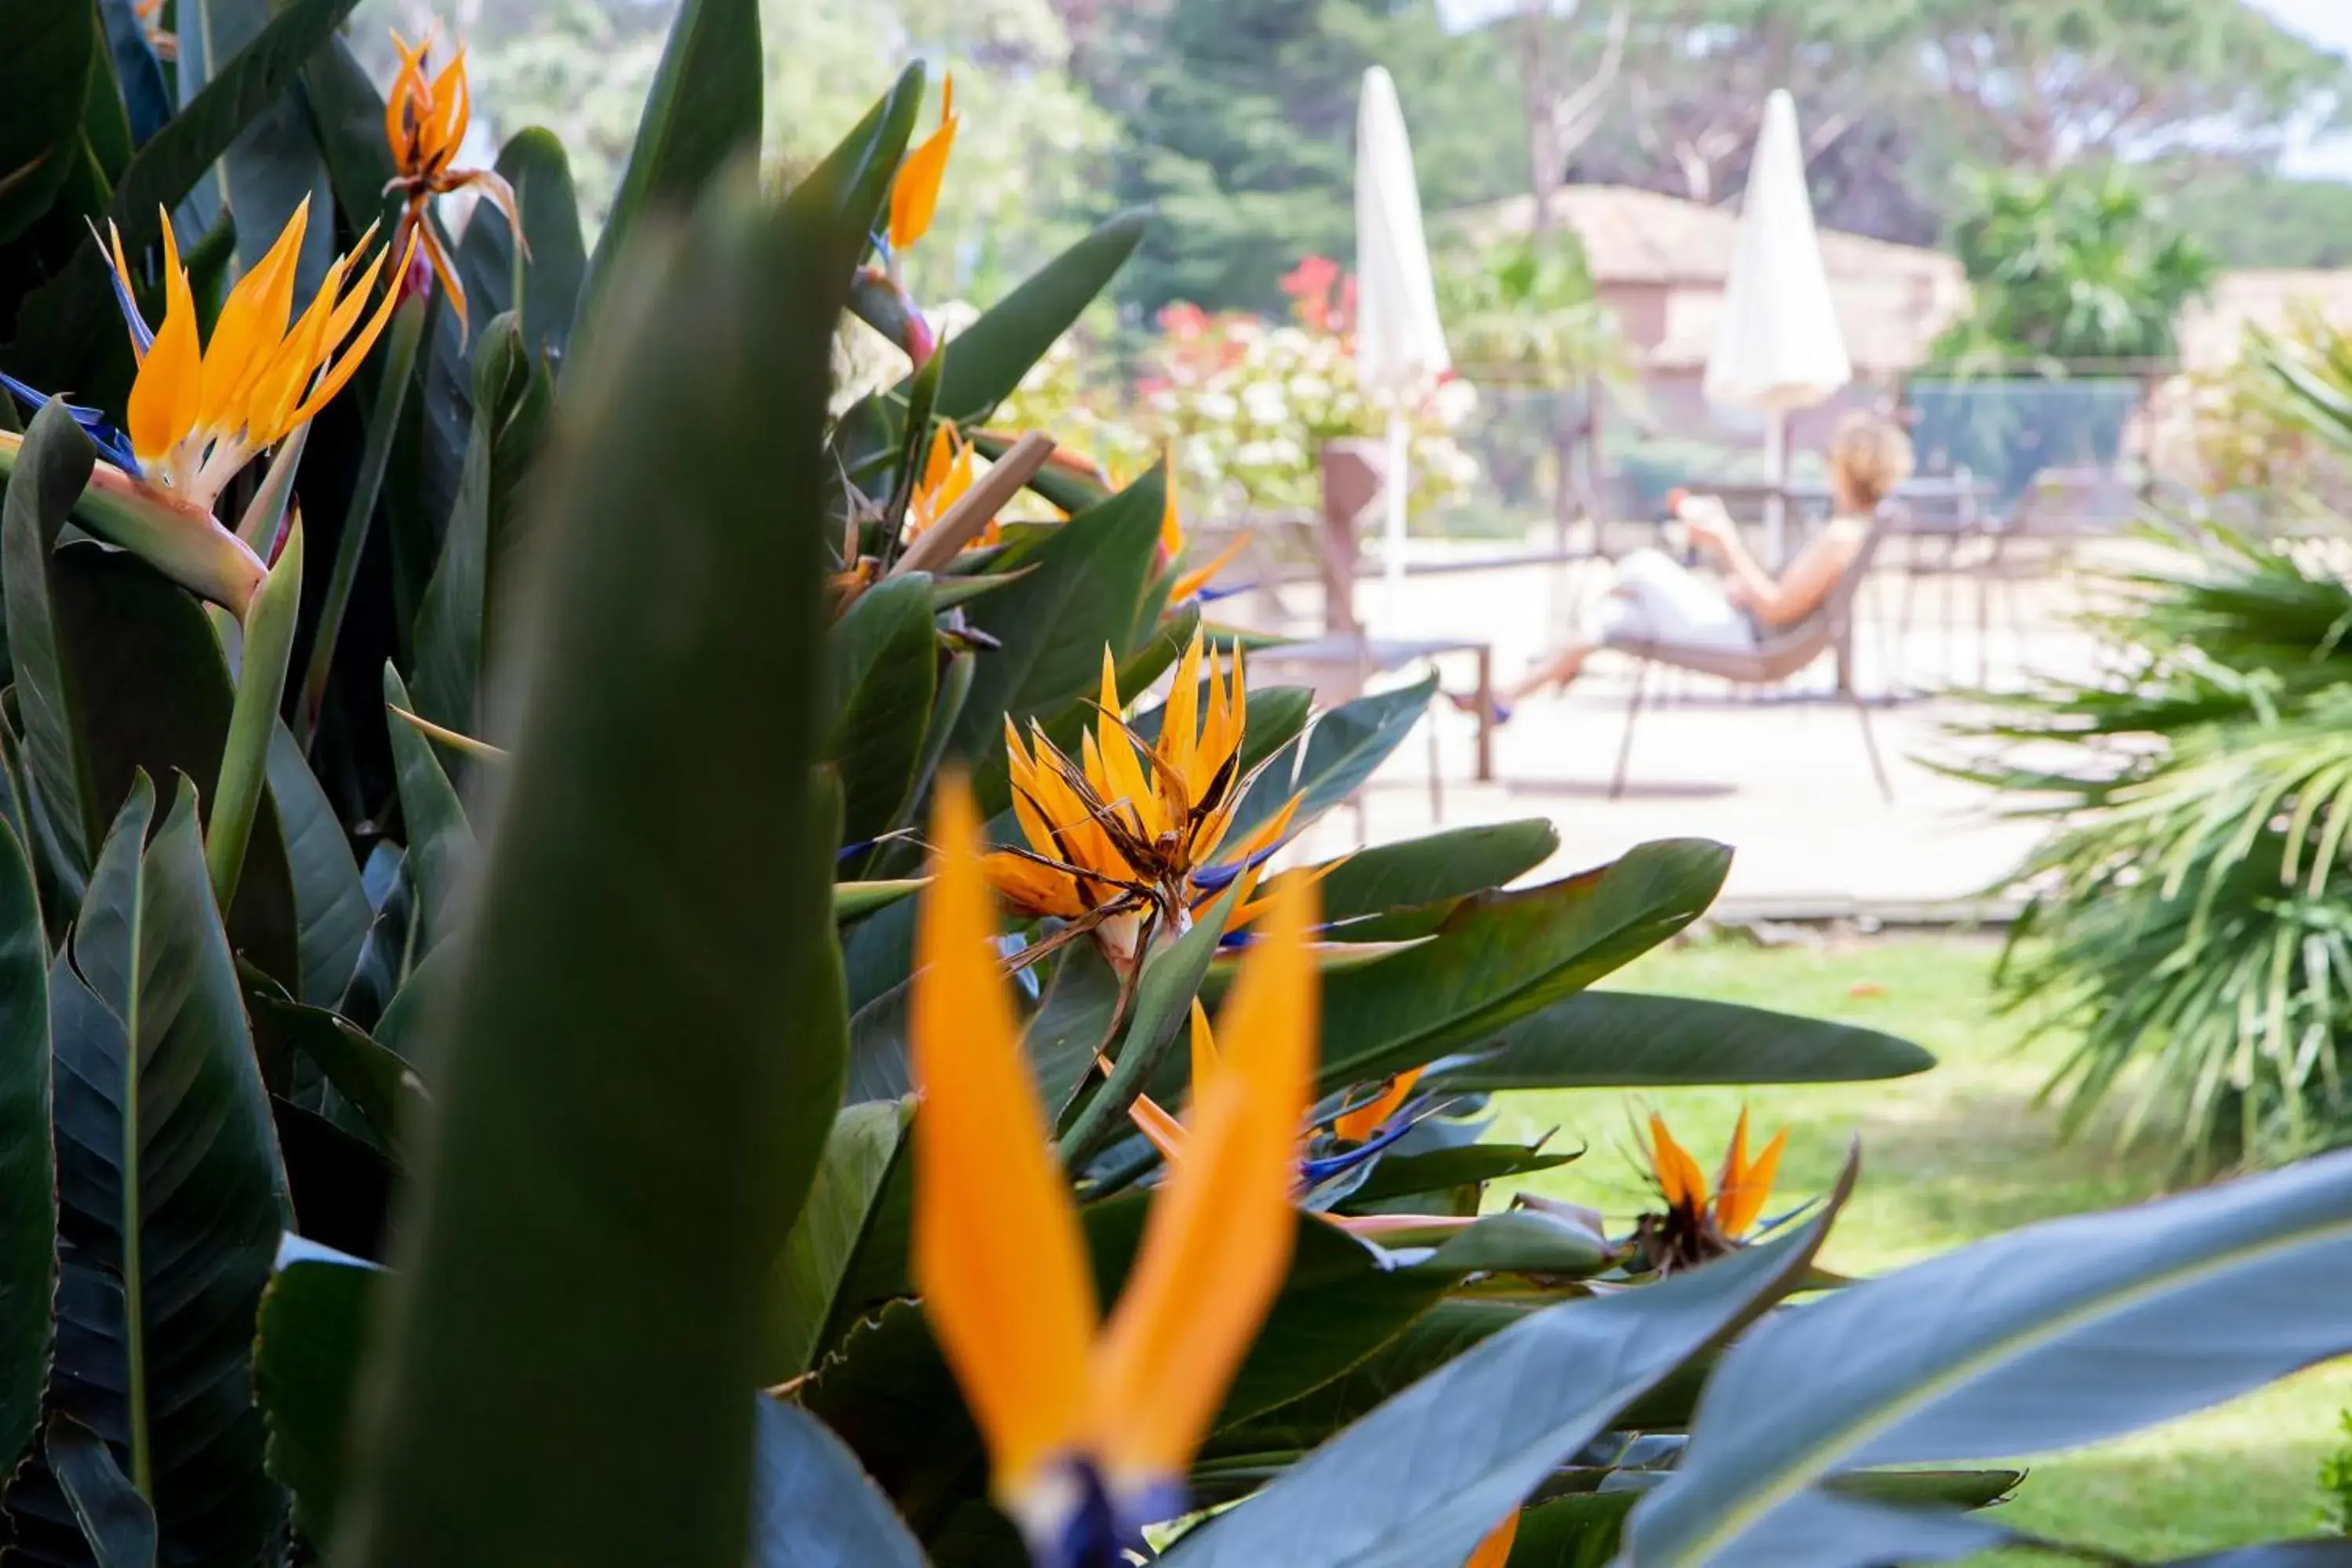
1439,1170
115,1521
28,1198
534,162
1336,756
118,672
1080,594
1074,1020
440,840
373,1078
995,351
857,175
1361,891
1523,1241
885,680
2063,1334
1426,1476
452,627
702,111
813,1506
851,900
153,1348
647,982
44,73
1583,1531
331,907
147,98
858,1154
306,1360
274,165
1623,1038
1502,956
68,331
1147,1061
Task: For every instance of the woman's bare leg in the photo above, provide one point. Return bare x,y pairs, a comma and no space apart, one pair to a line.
1557,670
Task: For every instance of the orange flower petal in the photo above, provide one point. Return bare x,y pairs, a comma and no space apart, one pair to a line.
998,1256
915,193
1204,1050
1172,526
1743,1198
1680,1181
1495,1549
355,353
1218,1238
170,386
1368,1117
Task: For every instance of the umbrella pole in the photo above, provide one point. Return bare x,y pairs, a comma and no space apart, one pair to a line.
1393,550
1776,475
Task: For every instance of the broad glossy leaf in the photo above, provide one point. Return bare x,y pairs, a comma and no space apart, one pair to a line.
1338,754
306,1360
274,164
29,1199
331,907
702,110
49,474
45,72
1583,1531
533,162
813,1506
441,854
382,1087
851,900
1624,1038
1478,1435
995,351
864,1140
857,175
884,669
180,1114
115,1520
1501,956
1523,1241
662,1013
1080,594
1170,978
1074,1020
2066,1332
1400,1176
1434,869
147,97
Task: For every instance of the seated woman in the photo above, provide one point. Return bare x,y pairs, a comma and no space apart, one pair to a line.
1650,597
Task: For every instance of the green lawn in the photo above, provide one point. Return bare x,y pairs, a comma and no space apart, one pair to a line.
1949,1157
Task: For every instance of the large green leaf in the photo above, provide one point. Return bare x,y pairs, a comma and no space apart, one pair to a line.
1502,956
701,112
1621,1038
1080,594
2067,1333
306,1360
1478,1435
28,1198
70,332
173,1128
812,1505
378,1086
118,672
865,1142
331,905
452,627
1342,750
534,163
49,474
115,1520
884,669
274,165
994,352
440,840
1078,1005
45,74
1420,872
647,985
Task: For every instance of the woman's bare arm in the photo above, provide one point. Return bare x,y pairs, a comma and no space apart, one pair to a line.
1799,590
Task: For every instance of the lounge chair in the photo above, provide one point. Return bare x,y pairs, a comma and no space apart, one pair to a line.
1787,652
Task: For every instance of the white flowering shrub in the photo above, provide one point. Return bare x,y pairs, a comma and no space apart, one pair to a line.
1246,405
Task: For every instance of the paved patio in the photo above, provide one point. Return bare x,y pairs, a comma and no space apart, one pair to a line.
1782,777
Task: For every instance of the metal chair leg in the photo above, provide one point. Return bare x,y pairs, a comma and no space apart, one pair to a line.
1632,712
1870,744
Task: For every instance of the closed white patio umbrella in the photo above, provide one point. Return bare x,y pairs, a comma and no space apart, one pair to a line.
1778,346
1399,344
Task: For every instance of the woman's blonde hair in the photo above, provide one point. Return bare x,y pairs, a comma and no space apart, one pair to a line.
1872,456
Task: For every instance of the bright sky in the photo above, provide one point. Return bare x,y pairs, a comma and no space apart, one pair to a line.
2327,23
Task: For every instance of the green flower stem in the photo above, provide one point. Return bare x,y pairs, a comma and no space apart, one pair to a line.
391,394
260,685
